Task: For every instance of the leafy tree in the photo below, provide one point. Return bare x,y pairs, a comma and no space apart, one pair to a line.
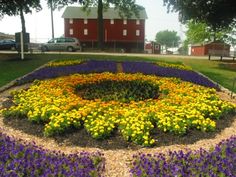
168,38
126,9
19,7
231,36
199,32
218,14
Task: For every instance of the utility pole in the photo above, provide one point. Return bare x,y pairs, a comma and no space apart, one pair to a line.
51,6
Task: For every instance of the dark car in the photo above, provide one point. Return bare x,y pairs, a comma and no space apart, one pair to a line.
7,44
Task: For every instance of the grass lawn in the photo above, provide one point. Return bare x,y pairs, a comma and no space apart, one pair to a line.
12,67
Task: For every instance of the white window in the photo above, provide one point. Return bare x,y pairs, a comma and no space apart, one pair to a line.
137,32
137,22
85,31
125,21
71,21
124,32
85,21
71,31
112,21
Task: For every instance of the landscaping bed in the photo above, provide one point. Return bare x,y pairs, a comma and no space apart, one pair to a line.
76,111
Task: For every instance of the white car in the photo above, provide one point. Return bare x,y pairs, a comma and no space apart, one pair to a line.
62,44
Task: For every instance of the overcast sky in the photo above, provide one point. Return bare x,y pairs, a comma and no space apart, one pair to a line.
39,24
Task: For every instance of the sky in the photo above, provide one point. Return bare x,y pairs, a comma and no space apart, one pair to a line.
38,24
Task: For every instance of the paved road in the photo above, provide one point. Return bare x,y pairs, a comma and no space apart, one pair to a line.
125,54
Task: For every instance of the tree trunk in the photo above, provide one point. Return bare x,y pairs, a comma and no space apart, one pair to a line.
100,25
214,33
214,36
22,21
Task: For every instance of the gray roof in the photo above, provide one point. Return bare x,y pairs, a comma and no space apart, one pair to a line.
111,13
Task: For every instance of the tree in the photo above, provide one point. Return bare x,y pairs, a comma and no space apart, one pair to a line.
19,7
168,38
199,32
218,14
126,9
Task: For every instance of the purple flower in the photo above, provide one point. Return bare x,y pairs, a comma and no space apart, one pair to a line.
95,66
17,159
221,161
150,68
91,66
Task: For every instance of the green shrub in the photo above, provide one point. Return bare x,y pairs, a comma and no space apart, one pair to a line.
124,91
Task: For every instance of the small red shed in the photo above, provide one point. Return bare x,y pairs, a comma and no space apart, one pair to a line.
152,48
212,48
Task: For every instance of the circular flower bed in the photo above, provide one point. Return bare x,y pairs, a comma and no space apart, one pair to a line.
167,104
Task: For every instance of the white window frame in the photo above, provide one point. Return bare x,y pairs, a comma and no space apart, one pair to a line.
112,21
85,21
71,21
137,22
137,32
124,32
86,32
125,21
71,31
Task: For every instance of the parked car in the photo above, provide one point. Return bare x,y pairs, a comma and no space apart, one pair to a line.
7,44
62,44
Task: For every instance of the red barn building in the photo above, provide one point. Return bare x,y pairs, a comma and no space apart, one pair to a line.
119,34
212,48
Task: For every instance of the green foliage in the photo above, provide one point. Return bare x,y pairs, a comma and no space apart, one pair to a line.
168,38
16,7
219,14
199,32
124,91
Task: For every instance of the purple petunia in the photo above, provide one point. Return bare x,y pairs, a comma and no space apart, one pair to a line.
150,68
219,161
95,66
21,159
91,66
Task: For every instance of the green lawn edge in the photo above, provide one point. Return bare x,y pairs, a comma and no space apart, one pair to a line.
12,67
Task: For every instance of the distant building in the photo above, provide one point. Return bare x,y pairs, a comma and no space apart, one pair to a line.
6,36
124,34
152,48
212,48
